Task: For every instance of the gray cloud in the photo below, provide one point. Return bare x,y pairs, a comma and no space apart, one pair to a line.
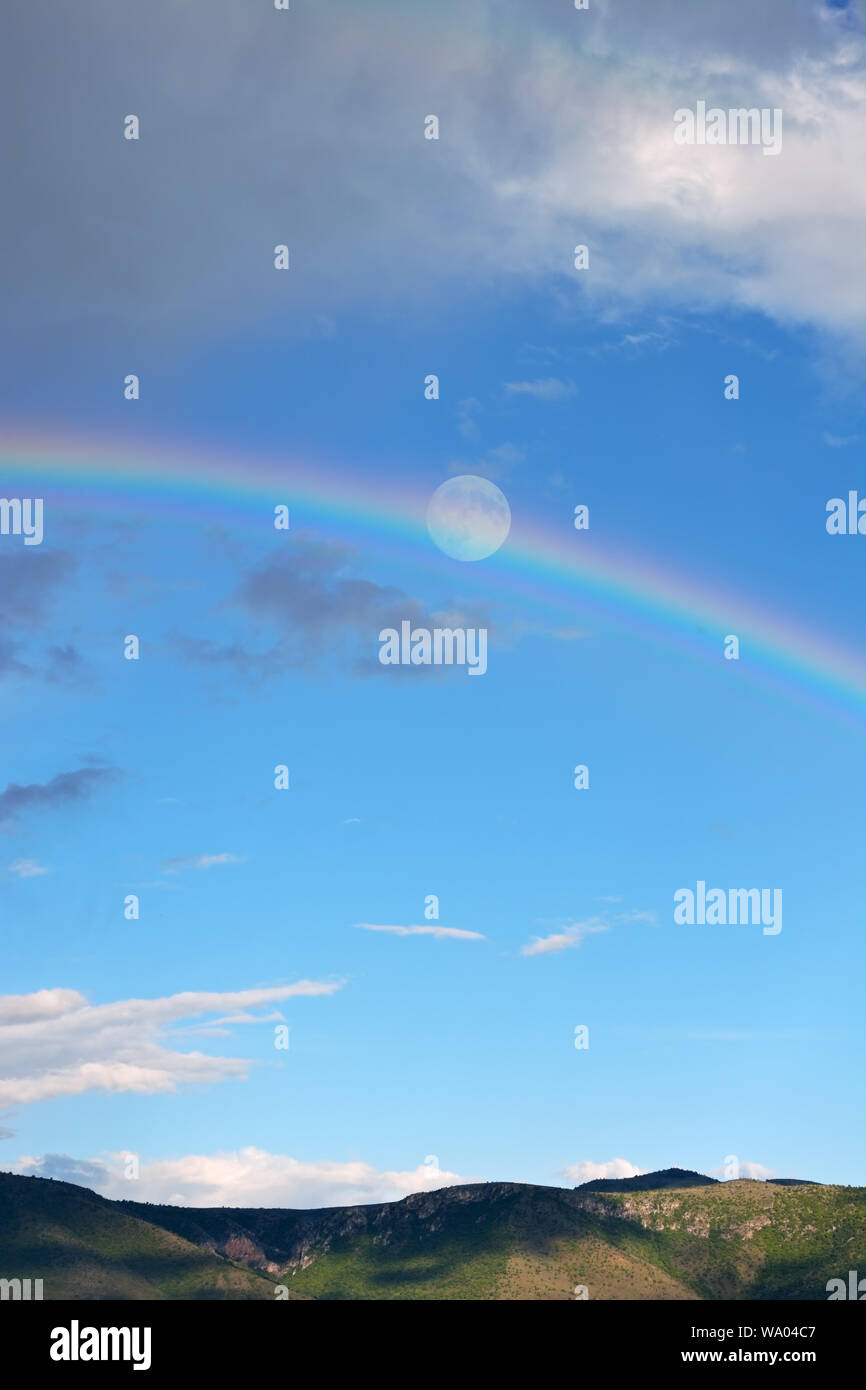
63,788
29,581
259,127
58,666
322,612
308,591
83,1171
10,659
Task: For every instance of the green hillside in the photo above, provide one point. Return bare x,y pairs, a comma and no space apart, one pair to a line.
84,1247
742,1240
736,1240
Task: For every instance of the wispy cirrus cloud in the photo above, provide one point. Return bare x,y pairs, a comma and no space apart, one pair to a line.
548,388
565,939
27,868
198,861
497,463
841,441
443,933
571,934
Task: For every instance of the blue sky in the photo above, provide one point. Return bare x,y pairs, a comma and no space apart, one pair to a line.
705,1041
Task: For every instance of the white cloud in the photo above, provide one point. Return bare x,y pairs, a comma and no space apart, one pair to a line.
497,464
451,933
27,868
841,441
638,340
710,225
247,1177
45,1003
466,412
745,1169
198,861
545,389
562,940
659,342
588,1171
54,1043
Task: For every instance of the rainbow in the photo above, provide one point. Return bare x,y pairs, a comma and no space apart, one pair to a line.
563,574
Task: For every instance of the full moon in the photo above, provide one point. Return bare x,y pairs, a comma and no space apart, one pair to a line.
468,517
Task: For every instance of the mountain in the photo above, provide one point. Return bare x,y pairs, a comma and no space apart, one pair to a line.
676,1236
647,1182
794,1182
83,1246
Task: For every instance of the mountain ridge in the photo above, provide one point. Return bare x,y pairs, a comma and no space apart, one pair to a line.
704,1239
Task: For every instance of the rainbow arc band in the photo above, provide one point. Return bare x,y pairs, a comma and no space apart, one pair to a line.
576,575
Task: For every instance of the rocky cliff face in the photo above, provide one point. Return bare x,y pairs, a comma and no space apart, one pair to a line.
277,1241
274,1239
